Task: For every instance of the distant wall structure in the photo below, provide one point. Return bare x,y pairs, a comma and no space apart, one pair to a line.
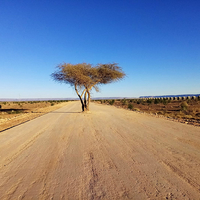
173,97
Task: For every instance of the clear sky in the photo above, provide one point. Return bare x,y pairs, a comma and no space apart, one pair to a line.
157,44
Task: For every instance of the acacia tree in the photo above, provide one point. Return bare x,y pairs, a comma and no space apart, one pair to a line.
84,77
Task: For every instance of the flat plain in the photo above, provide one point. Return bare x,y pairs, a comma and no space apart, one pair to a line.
107,153
15,113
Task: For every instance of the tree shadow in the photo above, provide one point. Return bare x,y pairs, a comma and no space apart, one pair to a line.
59,112
13,110
65,112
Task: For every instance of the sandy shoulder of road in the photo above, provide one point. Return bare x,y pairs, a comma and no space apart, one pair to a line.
10,122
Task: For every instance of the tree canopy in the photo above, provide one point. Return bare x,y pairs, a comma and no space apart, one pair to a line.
83,77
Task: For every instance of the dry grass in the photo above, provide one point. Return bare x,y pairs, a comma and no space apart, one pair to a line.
188,110
14,113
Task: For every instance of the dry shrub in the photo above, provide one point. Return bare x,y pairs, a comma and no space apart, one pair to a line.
130,106
160,113
184,106
188,116
179,116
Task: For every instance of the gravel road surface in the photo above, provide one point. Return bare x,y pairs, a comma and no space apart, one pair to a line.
107,153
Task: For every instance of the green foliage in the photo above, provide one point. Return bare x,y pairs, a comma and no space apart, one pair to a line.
165,102
124,102
156,101
32,102
149,101
111,102
139,101
15,111
130,106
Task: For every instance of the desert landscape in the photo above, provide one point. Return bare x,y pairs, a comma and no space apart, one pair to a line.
105,153
17,112
99,100
184,110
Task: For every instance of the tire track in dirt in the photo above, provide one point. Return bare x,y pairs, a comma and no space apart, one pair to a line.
92,176
51,163
108,164
182,175
169,166
22,148
142,145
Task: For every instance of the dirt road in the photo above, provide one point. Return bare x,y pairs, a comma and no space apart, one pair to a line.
108,153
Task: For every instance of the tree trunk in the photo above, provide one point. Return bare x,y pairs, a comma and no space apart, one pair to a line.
83,107
85,100
88,104
80,97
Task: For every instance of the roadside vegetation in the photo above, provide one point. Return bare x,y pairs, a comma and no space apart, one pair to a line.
19,107
187,110
15,113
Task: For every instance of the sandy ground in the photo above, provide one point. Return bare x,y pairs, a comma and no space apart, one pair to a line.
12,120
108,153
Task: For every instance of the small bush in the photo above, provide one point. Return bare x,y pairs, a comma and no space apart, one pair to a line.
130,106
156,101
136,109
150,101
52,104
124,102
184,106
188,116
165,102
112,102
14,111
188,100
18,111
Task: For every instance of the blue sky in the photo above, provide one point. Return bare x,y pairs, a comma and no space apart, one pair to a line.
157,44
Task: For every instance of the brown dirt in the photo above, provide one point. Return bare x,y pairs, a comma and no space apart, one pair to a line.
107,153
24,111
171,110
